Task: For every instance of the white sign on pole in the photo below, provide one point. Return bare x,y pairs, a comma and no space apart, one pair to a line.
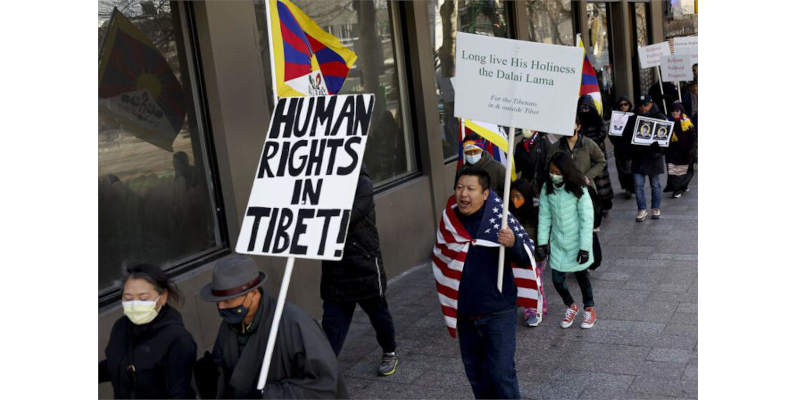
650,56
687,45
517,83
306,177
618,121
652,130
676,68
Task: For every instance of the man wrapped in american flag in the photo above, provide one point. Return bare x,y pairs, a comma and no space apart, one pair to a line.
465,259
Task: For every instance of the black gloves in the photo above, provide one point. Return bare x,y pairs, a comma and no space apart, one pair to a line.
655,146
205,374
583,256
542,251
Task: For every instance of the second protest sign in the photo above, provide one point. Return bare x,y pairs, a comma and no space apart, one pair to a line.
306,177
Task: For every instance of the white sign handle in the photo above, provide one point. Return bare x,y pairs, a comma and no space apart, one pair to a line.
506,194
273,332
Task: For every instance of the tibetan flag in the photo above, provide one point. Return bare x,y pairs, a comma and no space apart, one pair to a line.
495,142
138,88
307,60
589,83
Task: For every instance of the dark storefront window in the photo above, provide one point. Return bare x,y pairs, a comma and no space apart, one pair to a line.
647,76
599,51
680,19
489,18
550,21
155,203
371,29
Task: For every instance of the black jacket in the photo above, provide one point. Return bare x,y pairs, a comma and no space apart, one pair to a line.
531,162
646,160
592,124
162,353
622,146
303,365
360,272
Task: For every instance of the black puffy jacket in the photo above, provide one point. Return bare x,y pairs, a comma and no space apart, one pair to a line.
531,162
592,124
360,273
150,361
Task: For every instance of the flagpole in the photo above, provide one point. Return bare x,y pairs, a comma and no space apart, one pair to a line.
678,85
273,331
661,86
506,195
271,53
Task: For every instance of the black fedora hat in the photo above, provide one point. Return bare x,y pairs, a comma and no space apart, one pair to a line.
233,277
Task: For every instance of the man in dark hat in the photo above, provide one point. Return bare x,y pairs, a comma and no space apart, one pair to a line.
647,162
303,364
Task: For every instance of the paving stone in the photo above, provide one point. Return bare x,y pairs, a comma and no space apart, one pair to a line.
656,386
369,370
690,373
662,370
678,329
687,308
638,311
685,318
630,326
670,355
610,358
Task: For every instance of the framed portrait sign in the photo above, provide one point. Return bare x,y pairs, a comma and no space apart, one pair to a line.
652,130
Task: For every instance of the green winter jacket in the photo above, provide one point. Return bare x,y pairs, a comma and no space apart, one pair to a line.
571,220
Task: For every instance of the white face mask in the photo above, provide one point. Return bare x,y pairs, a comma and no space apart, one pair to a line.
472,159
140,312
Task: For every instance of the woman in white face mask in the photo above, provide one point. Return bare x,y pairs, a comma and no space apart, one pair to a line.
150,353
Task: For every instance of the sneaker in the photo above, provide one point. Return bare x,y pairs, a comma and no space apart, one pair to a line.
532,319
569,316
656,213
388,364
589,318
641,215
676,195
628,195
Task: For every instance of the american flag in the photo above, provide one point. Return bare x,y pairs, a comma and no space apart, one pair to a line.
450,253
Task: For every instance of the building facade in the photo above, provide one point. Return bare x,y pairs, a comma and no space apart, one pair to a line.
174,181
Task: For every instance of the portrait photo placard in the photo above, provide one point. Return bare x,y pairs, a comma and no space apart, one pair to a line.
652,130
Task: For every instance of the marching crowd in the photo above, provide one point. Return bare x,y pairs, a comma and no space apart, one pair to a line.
556,209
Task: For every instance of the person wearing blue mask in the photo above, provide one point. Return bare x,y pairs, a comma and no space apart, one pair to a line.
303,364
150,353
476,157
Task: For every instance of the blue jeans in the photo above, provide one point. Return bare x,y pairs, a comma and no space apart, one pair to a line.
336,318
488,344
655,191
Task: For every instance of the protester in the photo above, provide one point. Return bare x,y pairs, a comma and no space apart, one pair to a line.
566,218
647,161
622,155
359,278
593,127
474,156
670,94
524,206
690,102
529,158
302,365
465,267
679,153
585,153
150,353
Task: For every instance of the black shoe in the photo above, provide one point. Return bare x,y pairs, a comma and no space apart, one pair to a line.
628,195
605,213
388,364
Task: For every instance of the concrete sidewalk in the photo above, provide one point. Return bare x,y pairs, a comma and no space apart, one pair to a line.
643,346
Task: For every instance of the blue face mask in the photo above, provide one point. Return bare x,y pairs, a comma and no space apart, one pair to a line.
234,315
472,159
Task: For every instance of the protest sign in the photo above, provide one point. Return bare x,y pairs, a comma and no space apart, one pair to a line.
517,83
687,45
650,56
618,121
306,177
652,130
676,68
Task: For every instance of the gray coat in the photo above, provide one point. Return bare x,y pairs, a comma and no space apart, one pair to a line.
587,156
303,364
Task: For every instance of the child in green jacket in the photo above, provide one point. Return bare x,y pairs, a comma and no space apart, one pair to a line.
566,220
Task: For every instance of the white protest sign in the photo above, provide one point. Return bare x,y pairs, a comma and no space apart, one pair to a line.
306,177
676,68
618,121
650,56
687,45
517,83
652,130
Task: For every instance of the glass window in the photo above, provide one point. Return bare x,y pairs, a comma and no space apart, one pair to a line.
155,203
447,17
550,21
600,53
680,18
371,29
646,75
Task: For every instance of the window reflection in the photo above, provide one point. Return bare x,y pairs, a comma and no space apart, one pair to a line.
154,203
599,52
550,21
